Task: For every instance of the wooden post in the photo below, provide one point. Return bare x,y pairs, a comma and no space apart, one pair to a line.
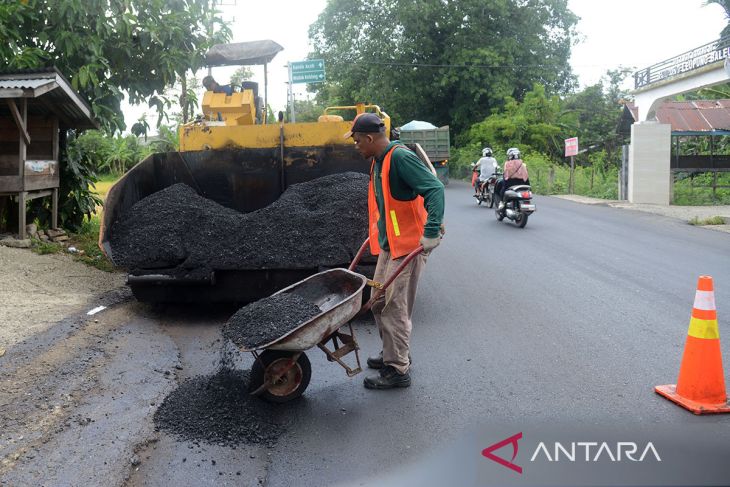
21,214
55,141
54,201
54,209
592,170
551,178
22,153
572,175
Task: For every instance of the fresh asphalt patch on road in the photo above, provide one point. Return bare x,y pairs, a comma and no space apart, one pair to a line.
218,409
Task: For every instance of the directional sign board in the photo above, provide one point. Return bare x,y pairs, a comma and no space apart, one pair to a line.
311,71
571,147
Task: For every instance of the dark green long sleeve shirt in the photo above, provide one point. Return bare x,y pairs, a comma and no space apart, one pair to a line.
409,177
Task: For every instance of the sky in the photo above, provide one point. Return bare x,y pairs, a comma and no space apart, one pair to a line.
612,33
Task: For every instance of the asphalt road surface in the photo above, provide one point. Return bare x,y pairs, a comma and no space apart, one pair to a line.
571,320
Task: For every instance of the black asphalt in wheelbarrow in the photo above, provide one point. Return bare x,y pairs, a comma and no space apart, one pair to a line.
281,370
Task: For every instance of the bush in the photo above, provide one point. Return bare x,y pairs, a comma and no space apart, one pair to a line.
116,155
598,180
713,220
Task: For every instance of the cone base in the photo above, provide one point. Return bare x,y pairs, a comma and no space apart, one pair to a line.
670,392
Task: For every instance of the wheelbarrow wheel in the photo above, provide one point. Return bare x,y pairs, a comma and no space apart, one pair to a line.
287,382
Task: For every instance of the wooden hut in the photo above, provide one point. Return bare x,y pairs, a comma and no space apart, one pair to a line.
36,107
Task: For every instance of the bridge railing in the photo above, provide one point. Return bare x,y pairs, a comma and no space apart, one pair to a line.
687,61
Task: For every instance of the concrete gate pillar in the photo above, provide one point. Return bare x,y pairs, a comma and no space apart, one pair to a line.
649,163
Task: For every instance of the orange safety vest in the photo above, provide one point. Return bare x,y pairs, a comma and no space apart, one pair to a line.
404,220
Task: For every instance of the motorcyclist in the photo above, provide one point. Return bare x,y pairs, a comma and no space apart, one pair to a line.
475,170
515,172
487,166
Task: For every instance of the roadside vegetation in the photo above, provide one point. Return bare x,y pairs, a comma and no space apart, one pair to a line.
702,188
713,220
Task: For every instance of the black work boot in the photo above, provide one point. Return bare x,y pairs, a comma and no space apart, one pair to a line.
388,378
377,361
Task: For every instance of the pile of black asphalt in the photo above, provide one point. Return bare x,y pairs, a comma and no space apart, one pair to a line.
268,319
319,223
218,409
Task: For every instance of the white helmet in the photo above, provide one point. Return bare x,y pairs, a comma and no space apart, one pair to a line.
513,153
486,152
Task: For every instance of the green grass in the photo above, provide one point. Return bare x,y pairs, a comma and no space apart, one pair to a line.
103,185
713,220
85,240
42,248
88,241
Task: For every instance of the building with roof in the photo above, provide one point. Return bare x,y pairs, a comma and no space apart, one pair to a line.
38,106
649,172
691,122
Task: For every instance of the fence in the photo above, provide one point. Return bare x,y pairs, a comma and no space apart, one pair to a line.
693,186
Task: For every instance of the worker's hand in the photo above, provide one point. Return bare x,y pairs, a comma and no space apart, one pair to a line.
442,230
429,244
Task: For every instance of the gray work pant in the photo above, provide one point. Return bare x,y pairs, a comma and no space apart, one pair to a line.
393,309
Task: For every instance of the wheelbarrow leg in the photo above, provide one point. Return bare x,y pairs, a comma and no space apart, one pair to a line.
349,344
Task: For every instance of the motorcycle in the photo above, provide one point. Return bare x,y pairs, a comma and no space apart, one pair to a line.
486,193
518,205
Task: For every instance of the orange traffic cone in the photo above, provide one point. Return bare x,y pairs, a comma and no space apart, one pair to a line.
701,383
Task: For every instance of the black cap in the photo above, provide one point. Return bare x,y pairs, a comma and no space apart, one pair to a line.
366,122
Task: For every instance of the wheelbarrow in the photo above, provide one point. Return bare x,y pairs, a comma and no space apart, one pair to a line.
281,370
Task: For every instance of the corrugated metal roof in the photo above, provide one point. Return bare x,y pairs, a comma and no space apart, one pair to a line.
695,116
24,83
55,91
692,116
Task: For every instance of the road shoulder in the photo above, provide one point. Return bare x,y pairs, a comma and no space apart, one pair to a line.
684,213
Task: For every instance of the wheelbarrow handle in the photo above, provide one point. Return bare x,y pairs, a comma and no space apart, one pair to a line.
360,252
377,292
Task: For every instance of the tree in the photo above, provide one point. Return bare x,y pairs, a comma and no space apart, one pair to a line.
598,110
108,47
306,110
240,75
446,61
725,4
537,124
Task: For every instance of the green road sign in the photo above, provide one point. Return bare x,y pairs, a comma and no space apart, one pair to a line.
311,71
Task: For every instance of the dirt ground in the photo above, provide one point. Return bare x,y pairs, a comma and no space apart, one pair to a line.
39,290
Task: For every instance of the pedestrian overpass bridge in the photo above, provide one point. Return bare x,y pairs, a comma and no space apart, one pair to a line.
649,177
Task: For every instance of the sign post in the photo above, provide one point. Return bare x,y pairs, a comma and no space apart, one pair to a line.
571,150
290,97
310,71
